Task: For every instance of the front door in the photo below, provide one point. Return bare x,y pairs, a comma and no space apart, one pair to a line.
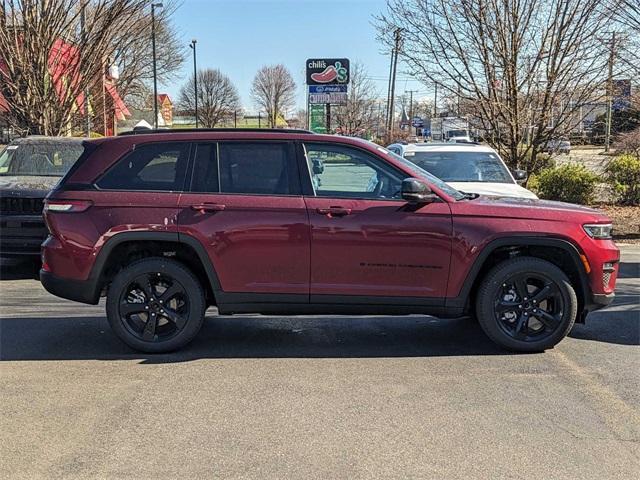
365,240
246,207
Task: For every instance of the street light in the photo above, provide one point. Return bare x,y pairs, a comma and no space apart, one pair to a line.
192,45
155,76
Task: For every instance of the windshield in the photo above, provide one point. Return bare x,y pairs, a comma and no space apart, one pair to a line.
419,172
457,133
462,166
47,159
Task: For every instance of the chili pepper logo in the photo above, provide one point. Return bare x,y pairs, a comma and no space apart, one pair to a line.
331,73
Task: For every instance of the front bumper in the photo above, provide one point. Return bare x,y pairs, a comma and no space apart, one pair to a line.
600,300
21,235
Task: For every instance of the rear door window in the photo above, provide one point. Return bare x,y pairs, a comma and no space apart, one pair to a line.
261,168
156,166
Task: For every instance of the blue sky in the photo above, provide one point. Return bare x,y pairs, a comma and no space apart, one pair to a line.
240,36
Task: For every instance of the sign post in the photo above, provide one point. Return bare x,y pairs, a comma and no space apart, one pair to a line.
327,84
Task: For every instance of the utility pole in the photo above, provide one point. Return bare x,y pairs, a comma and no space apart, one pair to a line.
386,113
195,77
411,92
612,55
435,101
155,74
83,21
394,68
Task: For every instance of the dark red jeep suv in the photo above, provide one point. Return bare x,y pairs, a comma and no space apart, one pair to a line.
166,224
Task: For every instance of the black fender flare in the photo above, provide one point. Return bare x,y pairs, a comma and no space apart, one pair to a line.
519,241
96,275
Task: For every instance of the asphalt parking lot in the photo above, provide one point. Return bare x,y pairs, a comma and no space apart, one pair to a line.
316,397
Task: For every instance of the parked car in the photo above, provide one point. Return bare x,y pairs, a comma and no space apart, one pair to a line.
166,224
459,136
468,167
557,146
29,168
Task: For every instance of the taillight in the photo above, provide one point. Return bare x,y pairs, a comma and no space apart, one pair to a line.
66,206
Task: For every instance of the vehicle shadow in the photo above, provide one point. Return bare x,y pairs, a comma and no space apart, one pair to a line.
618,323
629,270
257,336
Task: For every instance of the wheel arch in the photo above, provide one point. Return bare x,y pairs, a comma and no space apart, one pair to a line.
116,252
546,248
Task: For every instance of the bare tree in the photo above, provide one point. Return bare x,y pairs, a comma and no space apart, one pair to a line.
359,114
132,53
627,12
530,68
299,119
50,59
273,90
626,50
218,98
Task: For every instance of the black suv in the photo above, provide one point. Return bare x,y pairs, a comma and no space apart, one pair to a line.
29,168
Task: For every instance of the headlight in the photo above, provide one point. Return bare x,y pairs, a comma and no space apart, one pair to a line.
598,230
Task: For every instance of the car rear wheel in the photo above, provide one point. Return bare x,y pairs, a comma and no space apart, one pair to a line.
155,305
526,304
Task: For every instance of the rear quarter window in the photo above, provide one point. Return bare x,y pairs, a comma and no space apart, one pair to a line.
156,166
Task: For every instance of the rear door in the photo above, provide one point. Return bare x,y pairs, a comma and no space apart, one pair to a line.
245,206
365,240
140,192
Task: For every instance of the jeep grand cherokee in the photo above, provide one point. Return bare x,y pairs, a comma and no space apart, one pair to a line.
166,224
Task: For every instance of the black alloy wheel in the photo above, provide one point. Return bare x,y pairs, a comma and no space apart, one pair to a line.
526,304
529,306
155,305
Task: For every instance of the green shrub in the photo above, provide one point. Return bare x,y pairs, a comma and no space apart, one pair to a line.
533,183
623,174
571,183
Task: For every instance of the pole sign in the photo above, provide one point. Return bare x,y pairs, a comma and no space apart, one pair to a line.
317,119
334,98
327,80
327,88
327,71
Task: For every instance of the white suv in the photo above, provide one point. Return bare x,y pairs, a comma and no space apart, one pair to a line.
468,167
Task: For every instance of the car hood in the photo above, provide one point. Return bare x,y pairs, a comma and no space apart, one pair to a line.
528,208
494,189
27,185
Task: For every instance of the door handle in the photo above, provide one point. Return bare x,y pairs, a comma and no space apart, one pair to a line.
208,207
334,211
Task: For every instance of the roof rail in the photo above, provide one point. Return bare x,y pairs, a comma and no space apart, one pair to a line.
148,131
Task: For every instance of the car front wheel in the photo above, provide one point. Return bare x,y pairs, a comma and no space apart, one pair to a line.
526,304
155,305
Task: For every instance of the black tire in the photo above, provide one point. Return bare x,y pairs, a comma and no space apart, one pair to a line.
158,285
526,304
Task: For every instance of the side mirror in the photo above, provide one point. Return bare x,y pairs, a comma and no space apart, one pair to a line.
520,175
416,192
